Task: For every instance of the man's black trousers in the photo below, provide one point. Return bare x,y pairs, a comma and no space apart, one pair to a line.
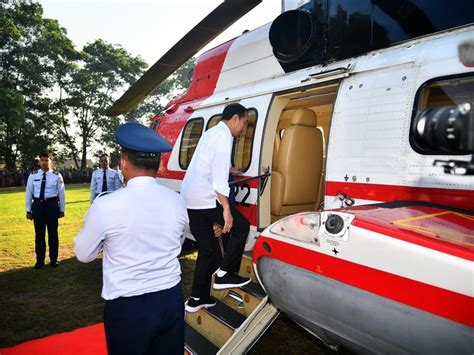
45,214
209,254
152,323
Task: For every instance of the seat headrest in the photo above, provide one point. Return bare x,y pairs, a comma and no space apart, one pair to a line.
304,117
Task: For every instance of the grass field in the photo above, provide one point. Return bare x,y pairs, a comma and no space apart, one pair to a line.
38,303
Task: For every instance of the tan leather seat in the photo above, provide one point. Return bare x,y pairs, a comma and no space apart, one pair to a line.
295,181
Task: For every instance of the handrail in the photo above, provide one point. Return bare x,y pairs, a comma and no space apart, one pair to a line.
236,182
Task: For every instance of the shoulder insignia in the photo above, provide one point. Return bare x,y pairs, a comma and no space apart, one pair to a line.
55,172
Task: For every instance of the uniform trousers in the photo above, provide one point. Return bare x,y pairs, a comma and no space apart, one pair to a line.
45,214
152,323
209,254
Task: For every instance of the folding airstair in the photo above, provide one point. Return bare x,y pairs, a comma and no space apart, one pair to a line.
235,323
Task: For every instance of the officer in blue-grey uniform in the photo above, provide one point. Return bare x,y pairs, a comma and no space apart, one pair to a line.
45,202
104,179
139,229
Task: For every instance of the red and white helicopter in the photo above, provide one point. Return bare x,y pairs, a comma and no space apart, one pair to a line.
359,176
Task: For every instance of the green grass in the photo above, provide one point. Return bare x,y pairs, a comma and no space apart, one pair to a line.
38,303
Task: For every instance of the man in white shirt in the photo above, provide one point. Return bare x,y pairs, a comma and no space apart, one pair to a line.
45,203
139,229
205,189
104,179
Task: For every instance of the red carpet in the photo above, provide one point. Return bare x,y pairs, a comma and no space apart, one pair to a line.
82,341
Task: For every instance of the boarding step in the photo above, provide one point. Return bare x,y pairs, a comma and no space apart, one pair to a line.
196,344
239,318
244,299
246,267
217,323
251,330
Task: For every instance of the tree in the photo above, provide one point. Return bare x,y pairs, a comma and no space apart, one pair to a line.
173,86
31,50
54,96
78,113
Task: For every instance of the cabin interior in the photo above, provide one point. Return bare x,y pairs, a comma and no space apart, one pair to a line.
299,123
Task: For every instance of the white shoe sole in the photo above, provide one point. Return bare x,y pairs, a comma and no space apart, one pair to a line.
197,308
223,286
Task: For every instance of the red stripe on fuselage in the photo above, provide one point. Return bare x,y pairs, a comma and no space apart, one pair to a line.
432,299
386,193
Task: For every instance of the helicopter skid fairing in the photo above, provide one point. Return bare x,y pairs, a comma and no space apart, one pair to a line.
360,320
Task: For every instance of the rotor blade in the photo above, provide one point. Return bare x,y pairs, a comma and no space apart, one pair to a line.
205,31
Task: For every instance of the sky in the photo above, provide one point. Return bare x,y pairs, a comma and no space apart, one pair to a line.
146,27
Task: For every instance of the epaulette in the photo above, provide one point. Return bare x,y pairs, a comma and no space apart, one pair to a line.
55,172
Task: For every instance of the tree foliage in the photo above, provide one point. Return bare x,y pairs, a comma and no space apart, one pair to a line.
30,47
78,114
54,96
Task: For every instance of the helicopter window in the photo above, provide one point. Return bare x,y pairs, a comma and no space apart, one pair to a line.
445,91
448,92
190,138
213,121
242,149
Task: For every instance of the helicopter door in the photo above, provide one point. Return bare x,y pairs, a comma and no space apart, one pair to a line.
295,148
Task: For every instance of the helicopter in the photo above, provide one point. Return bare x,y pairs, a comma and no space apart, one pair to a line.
358,170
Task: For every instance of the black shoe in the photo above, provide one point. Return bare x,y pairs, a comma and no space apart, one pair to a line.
54,264
193,305
229,280
39,265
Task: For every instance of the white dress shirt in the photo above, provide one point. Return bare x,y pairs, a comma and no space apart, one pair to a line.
139,229
54,188
113,181
208,171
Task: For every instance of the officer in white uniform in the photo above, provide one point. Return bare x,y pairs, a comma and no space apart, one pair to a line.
139,229
104,179
45,202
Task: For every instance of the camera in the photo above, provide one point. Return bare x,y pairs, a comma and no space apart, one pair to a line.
445,130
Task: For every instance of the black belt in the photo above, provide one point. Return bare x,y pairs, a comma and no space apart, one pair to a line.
45,199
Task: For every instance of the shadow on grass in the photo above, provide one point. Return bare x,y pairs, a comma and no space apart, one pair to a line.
38,303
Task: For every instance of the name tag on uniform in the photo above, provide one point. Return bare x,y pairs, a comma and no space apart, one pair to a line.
37,180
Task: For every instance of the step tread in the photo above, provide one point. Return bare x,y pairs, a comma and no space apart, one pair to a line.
254,289
197,343
226,315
